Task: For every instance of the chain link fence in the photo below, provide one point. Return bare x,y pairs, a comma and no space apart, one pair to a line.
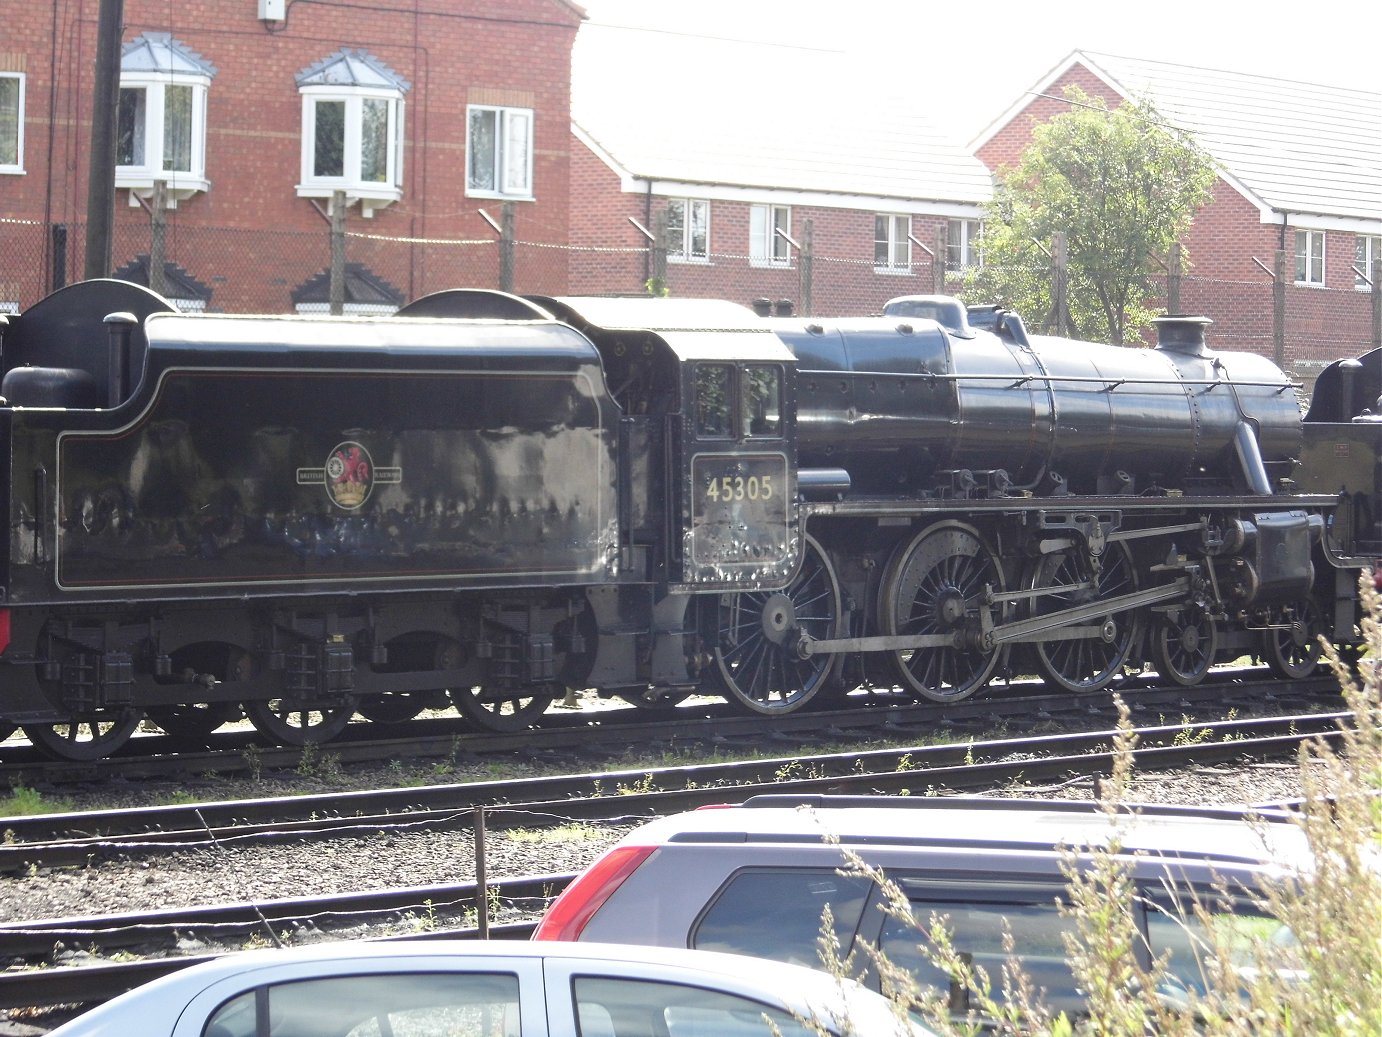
233,270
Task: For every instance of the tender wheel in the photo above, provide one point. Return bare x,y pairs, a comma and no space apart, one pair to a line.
1086,664
394,707
1295,652
1183,645
294,721
89,738
935,585
502,711
757,635
194,720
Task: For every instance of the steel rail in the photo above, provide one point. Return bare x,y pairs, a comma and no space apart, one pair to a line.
605,796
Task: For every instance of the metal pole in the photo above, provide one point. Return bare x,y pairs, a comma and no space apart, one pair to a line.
1279,309
506,241
100,186
338,256
158,216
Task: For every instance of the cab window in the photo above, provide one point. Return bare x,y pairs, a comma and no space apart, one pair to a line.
713,397
762,399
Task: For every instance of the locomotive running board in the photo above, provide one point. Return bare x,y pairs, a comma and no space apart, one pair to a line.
1020,630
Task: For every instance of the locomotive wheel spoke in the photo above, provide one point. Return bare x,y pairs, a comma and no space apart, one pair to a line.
756,634
935,585
85,739
1183,646
503,712
194,720
1295,652
1086,664
294,721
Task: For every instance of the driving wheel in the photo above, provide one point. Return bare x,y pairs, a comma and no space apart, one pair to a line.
757,636
936,585
1086,662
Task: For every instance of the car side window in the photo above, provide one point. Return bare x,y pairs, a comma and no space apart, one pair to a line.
1190,939
762,401
609,1007
443,1004
776,913
977,930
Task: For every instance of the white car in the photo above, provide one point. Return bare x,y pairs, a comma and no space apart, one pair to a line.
491,989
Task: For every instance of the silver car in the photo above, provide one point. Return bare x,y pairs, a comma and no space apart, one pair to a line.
490,989
755,878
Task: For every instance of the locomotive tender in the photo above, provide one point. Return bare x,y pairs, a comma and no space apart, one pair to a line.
487,499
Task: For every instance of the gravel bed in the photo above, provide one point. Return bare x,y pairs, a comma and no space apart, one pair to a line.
391,859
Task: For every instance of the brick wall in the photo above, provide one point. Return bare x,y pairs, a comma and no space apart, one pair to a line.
451,51
1223,282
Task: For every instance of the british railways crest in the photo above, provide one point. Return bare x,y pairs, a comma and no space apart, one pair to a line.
349,475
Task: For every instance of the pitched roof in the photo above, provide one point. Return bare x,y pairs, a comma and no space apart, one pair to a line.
1289,147
702,110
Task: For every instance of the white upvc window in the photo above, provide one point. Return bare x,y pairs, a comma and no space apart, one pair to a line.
11,122
962,244
767,247
160,118
892,246
352,130
688,230
498,152
1367,258
1310,257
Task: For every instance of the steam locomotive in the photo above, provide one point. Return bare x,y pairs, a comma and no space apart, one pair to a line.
488,499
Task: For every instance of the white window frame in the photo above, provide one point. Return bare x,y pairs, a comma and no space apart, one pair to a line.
140,177
512,169
963,244
1367,254
766,246
685,251
17,166
1309,267
371,194
898,241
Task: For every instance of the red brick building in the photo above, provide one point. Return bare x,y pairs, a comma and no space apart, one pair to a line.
254,112
1300,172
781,172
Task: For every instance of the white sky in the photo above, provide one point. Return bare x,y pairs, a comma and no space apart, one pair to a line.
975,57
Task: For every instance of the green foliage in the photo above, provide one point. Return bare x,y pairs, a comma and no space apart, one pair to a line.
25,802
1123,186
1326,979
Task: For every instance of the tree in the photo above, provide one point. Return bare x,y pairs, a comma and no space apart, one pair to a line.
1123,186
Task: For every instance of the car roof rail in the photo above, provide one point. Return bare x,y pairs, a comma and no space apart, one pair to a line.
821,801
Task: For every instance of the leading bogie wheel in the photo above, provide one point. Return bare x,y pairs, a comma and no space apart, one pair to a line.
757,637
1184,644
936,585
288,720
1088,662
86,738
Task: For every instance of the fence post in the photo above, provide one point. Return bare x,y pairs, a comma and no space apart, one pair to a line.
1060,305
506,243
1279,309
58,272
1376,295
338,257
807,259
940,261
659,278
1173,279
158,219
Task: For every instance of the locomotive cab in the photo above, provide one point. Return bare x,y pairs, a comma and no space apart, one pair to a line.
708,433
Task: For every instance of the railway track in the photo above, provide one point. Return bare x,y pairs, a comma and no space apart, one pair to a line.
167,937
172,939
588,733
